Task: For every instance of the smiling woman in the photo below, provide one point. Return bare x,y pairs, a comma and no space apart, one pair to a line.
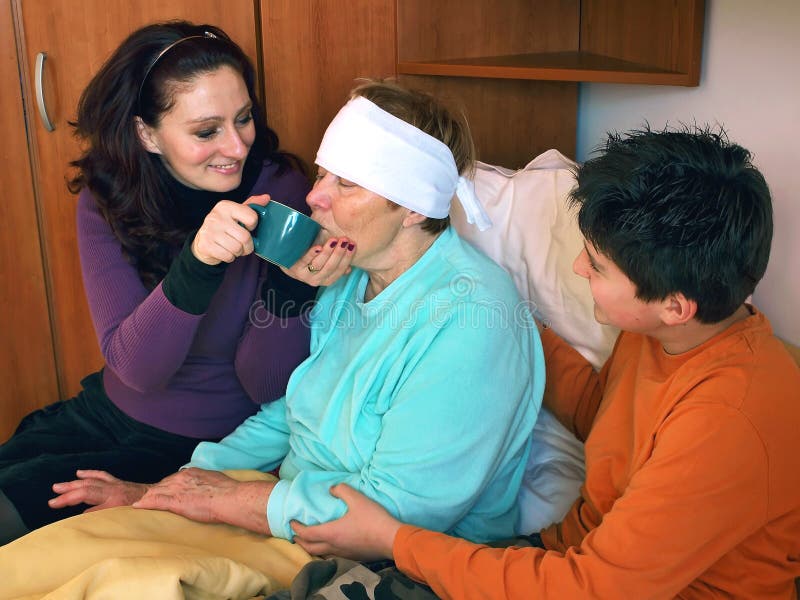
206,136
175,142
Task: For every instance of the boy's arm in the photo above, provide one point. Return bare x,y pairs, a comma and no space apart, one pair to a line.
702,492
574,389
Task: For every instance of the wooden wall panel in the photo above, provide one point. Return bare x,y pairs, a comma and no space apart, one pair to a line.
27,363
512,121
445,29
666,34
313,50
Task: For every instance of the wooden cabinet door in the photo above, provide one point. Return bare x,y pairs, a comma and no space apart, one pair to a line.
27,364
313,52
78,36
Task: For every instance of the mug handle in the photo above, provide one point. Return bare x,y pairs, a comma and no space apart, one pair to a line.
261,211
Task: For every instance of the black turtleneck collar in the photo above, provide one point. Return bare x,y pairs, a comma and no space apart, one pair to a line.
191,206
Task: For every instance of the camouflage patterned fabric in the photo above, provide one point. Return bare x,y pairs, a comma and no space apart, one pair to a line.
343,579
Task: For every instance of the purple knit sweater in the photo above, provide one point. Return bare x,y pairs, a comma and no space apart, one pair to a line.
195,375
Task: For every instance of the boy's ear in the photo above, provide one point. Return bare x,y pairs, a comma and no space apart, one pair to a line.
678,309
146,136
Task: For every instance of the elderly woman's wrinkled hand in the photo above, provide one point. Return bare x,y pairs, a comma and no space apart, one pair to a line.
97,488
365,532
192,493
323,264
211,497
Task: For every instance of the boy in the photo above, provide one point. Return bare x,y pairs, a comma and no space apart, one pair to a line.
692,487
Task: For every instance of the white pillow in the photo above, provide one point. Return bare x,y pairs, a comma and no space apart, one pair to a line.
535,237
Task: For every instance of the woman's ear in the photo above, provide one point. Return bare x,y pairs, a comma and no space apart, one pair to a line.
413,218
146,136
678,309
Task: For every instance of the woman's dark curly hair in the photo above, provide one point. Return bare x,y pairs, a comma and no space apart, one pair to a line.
129,184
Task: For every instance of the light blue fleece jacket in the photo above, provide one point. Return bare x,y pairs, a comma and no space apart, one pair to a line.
423,398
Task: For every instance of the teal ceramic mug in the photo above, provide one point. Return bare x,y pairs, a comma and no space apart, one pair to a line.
283,234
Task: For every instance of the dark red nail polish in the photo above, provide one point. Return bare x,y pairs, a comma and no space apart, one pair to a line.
344,243
350,247
333,243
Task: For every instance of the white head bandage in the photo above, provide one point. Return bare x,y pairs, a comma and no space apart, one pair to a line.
376,150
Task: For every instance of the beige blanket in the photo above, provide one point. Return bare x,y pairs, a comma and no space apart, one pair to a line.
123,553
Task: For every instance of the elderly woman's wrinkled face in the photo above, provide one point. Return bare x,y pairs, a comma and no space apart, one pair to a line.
345,209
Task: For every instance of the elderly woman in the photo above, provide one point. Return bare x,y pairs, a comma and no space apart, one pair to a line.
425,373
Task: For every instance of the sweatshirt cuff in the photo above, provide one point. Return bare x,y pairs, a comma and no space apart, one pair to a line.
285,296
401,550
275,511
190,284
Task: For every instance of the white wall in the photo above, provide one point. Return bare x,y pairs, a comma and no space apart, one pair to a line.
750,83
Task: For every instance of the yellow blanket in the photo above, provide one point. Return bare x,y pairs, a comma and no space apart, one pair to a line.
123,553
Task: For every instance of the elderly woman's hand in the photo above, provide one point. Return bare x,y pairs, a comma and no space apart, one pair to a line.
211,497
365,532
323,264
98,488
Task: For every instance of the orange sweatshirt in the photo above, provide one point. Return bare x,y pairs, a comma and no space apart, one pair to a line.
692,480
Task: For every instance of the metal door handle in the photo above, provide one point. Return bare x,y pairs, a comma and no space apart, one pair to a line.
48,124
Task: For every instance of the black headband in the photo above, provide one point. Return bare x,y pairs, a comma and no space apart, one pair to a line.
206,35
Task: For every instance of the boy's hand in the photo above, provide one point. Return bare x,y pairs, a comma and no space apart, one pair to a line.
365,532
